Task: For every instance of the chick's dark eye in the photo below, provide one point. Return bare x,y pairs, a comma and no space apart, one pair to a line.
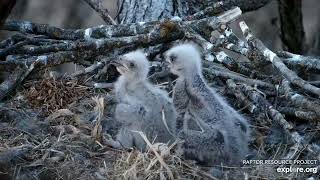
131,64
173,58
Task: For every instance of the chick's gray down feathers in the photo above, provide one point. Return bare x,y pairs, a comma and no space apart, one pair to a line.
142,106
222,135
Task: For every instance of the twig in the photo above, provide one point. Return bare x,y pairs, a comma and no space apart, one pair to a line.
212,10
241,97
233,43
298,99
14,80
91,68
212,70
307,115
160,159
219,56
305,62
316,83
59,113
103,85
9,49
104,14
230,15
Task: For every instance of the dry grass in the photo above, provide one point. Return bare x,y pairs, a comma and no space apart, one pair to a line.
165,165
51,94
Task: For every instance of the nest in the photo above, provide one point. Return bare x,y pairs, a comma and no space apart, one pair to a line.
54,94
67,145
69,142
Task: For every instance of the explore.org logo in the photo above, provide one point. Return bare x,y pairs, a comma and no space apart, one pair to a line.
287,166
313,170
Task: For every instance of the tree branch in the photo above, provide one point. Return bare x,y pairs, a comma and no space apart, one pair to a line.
307,115
307,63
277,62
104,14
298,99
9,84
277,117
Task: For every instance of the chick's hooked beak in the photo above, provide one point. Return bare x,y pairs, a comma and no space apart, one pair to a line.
120,65
166,58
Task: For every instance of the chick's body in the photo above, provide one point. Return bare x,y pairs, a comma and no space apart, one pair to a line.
142,107
222,135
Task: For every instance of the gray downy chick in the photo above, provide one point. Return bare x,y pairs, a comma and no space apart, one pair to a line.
141,106
224,134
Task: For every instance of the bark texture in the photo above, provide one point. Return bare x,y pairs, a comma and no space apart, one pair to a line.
292,31
131,11
5,9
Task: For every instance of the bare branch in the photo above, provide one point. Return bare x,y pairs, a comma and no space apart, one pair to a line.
216,9
14,80
306,62
298,99
104,31
242,98
215,71
277,117
104,14
276,61
307,115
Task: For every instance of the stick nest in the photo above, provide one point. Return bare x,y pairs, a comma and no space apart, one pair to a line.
53,94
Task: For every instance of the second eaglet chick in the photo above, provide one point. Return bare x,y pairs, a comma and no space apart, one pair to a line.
222,135
141,106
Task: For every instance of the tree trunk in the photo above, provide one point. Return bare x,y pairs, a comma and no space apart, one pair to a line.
144,10
5,9
292,32
131,11
75,17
